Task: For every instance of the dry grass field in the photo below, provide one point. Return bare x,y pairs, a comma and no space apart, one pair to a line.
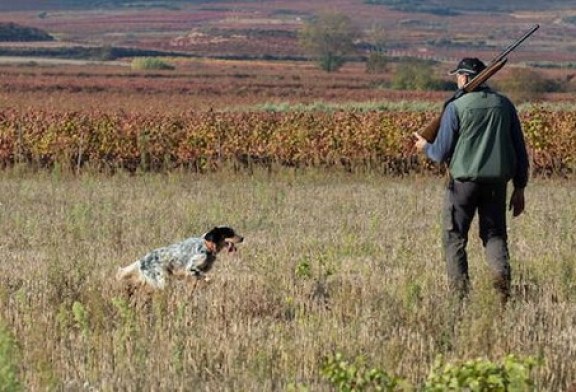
332,262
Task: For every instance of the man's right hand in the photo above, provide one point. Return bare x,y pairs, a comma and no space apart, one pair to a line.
420,142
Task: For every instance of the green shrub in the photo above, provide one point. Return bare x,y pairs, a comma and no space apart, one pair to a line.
513,374
8,362
150,63
526,85
416,76
479,375
348,377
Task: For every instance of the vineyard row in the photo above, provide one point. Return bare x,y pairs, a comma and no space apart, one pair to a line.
203,141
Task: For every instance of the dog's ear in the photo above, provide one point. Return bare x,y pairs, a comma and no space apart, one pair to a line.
211,231
213,235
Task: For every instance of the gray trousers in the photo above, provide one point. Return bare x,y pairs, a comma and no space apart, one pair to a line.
461,202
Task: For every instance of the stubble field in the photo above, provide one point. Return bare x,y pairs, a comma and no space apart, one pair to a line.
331,263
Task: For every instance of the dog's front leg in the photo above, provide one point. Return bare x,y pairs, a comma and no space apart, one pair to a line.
196,279
200,275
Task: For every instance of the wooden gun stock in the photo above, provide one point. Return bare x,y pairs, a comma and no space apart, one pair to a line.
429,133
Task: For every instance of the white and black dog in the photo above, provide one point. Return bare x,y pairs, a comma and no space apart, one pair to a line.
191,258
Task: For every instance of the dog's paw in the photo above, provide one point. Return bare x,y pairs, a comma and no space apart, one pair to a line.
207,279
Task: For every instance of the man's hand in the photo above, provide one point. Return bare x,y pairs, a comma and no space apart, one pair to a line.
517,202
420,142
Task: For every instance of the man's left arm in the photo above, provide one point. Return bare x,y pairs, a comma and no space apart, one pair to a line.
520,180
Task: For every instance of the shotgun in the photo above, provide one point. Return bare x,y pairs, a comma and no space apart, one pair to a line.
429,133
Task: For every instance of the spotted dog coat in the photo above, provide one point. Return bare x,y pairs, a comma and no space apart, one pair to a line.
192,257
189,256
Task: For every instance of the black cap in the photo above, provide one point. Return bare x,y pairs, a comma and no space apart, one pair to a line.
469,66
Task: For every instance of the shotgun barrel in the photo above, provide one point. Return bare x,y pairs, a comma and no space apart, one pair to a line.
429,132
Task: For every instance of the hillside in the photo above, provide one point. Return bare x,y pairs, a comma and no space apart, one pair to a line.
267,29
451,7
446,7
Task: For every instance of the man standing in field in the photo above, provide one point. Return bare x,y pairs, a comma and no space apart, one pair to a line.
481,140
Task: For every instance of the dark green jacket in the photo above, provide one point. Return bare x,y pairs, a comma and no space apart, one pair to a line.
485,150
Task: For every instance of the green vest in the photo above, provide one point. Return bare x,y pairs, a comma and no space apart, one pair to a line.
484,151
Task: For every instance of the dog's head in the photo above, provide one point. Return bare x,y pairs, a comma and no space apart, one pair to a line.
223,237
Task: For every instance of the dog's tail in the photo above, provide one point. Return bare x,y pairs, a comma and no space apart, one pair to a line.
131,272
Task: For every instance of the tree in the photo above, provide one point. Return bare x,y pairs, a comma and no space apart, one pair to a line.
415,76
330,37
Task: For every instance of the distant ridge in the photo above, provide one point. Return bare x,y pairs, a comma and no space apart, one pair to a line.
442,7
453,7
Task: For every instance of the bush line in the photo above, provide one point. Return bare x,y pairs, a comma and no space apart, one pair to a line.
204,141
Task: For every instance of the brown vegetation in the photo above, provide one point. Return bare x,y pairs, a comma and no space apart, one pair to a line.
204,141
195,85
